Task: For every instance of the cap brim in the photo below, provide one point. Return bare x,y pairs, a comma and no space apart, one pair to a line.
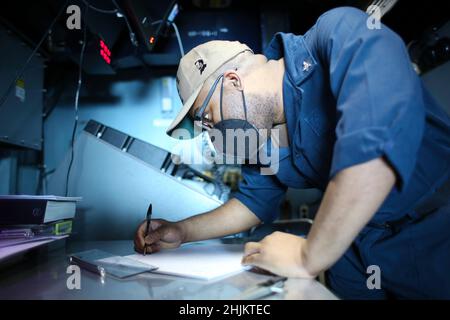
182,119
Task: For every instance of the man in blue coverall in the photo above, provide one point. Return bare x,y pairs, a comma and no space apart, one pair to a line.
360,126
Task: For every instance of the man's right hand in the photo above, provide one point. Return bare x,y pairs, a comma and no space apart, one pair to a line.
162,235
230,218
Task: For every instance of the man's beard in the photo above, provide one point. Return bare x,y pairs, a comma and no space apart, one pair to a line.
260,109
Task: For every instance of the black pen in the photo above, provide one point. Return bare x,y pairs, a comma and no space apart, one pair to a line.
147,229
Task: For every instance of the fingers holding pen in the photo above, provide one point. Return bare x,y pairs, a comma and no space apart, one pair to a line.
142,239
152,248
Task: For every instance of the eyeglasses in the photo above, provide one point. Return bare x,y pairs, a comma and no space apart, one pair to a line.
199,117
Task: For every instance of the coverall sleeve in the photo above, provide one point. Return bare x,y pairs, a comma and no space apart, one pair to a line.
261,194
380,108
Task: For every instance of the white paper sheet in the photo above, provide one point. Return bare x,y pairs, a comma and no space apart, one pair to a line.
197,260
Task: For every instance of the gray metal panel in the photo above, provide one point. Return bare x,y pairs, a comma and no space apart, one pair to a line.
117,187
20,118
8,168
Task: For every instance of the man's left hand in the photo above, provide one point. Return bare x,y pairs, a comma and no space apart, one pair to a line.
280,253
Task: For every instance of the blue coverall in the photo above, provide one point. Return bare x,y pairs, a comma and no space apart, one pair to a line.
351,95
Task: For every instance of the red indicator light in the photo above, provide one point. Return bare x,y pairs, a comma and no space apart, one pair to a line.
152,40
105,53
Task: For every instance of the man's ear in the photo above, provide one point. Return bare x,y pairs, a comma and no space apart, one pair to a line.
231,77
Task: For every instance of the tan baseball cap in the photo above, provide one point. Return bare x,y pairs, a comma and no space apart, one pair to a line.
194,68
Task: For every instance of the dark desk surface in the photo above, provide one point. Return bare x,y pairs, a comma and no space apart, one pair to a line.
42,275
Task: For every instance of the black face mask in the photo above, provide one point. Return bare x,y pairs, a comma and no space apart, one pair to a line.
236,139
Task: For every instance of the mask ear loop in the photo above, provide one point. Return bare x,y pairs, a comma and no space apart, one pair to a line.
245,105
200,113
246,119
243,101
220,101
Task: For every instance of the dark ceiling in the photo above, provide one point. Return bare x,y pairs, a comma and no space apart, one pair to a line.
30,19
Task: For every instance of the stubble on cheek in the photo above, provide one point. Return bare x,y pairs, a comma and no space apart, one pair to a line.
261,111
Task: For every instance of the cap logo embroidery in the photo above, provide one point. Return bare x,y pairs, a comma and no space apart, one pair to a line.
200,65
